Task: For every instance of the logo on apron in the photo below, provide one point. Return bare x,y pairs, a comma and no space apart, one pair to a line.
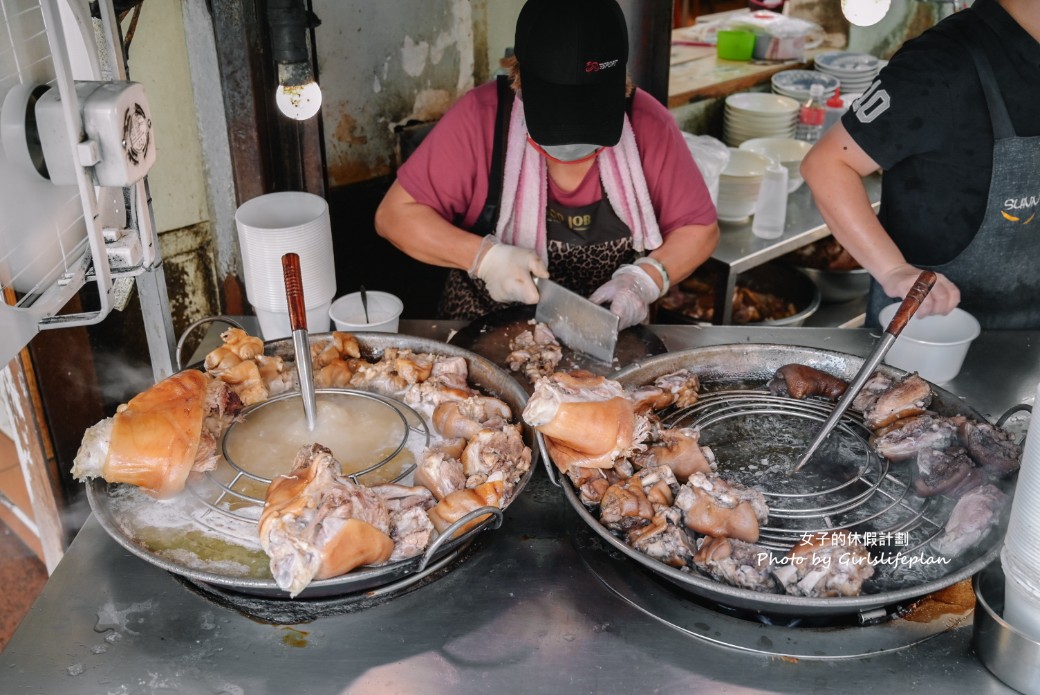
1020,209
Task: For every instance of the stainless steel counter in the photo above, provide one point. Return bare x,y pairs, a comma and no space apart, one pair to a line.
521,614
740,250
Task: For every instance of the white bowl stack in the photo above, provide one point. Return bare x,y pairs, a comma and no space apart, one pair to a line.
855,71
786,151
739,185
796,84
750,115
270,226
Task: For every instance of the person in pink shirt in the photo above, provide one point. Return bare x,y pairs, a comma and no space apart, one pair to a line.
561,170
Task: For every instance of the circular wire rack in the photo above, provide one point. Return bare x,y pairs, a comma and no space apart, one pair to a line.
232,494
757,437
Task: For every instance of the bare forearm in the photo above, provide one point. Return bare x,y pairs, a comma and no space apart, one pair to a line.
420,232
834,170
839,194
683,251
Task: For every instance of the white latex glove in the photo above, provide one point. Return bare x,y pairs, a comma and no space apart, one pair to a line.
630,292
506,271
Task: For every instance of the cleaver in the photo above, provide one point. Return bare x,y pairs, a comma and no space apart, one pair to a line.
576,322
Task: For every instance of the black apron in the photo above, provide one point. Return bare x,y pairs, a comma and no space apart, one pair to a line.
585,244
997,273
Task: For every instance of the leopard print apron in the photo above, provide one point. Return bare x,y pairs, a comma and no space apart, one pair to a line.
585,245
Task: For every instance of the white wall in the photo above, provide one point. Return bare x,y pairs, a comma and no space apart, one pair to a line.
159,60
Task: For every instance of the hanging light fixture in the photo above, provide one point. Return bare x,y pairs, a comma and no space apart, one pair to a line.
865,13
298,94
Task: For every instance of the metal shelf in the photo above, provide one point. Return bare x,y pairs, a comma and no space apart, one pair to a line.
740,250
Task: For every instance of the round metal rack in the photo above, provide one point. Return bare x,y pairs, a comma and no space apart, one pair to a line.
756,436
237,493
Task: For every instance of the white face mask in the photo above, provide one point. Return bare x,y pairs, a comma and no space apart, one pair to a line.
570,153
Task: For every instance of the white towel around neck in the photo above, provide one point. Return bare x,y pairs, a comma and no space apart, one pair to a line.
521,220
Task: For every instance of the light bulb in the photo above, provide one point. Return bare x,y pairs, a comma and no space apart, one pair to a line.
299,101
865,13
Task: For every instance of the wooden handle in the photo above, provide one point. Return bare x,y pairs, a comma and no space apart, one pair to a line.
294,292
912,303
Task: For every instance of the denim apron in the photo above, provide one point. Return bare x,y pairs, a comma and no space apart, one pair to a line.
998,274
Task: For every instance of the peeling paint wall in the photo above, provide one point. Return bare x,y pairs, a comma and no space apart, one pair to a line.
387,64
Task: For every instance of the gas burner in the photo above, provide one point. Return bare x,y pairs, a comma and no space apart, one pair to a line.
812,637
286,611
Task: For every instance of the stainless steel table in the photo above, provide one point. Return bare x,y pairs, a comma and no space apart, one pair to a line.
739,250
523,614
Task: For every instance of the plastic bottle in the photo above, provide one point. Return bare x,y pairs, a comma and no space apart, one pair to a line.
811,115
771,204
835,110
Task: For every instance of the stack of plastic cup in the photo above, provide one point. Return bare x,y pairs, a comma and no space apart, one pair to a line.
1020,556
771,205
270,226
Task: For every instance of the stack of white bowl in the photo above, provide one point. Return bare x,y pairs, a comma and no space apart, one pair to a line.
786,151
796,84
739,185
270,226
758,115
855,71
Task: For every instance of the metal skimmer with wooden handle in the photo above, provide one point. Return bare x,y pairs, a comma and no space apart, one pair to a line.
298,323
907,309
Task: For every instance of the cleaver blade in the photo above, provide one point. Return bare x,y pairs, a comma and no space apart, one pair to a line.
576,322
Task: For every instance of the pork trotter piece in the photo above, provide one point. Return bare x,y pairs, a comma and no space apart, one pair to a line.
802,381
824,565
715,507
317,523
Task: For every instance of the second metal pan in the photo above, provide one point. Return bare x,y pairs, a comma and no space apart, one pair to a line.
750,366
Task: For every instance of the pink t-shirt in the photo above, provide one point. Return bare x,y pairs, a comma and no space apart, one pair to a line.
449,170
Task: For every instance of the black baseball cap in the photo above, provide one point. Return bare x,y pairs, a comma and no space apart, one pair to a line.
572,56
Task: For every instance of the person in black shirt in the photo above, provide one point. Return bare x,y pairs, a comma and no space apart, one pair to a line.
952,123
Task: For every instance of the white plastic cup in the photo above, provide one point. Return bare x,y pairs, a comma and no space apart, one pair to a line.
281,210
384,312
275,324
1020,556
273,224
1021,598
771,204
932,346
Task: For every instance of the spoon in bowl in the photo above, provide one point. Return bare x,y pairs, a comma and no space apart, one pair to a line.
364,303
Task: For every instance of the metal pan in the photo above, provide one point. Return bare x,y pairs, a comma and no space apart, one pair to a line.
490,336
745,366
117,516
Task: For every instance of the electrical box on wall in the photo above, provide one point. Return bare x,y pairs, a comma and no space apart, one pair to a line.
119,148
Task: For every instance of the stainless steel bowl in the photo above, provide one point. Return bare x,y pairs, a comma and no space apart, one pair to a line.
839,285
1007,652
779,279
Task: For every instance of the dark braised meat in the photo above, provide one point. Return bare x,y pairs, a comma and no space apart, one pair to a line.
632,503
825,564
695,298
991,447
972,517
736,563
824,254
802,381
941,470
908,396
871,390
664,539
905,438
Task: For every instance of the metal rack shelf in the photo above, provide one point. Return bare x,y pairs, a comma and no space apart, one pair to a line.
739,250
